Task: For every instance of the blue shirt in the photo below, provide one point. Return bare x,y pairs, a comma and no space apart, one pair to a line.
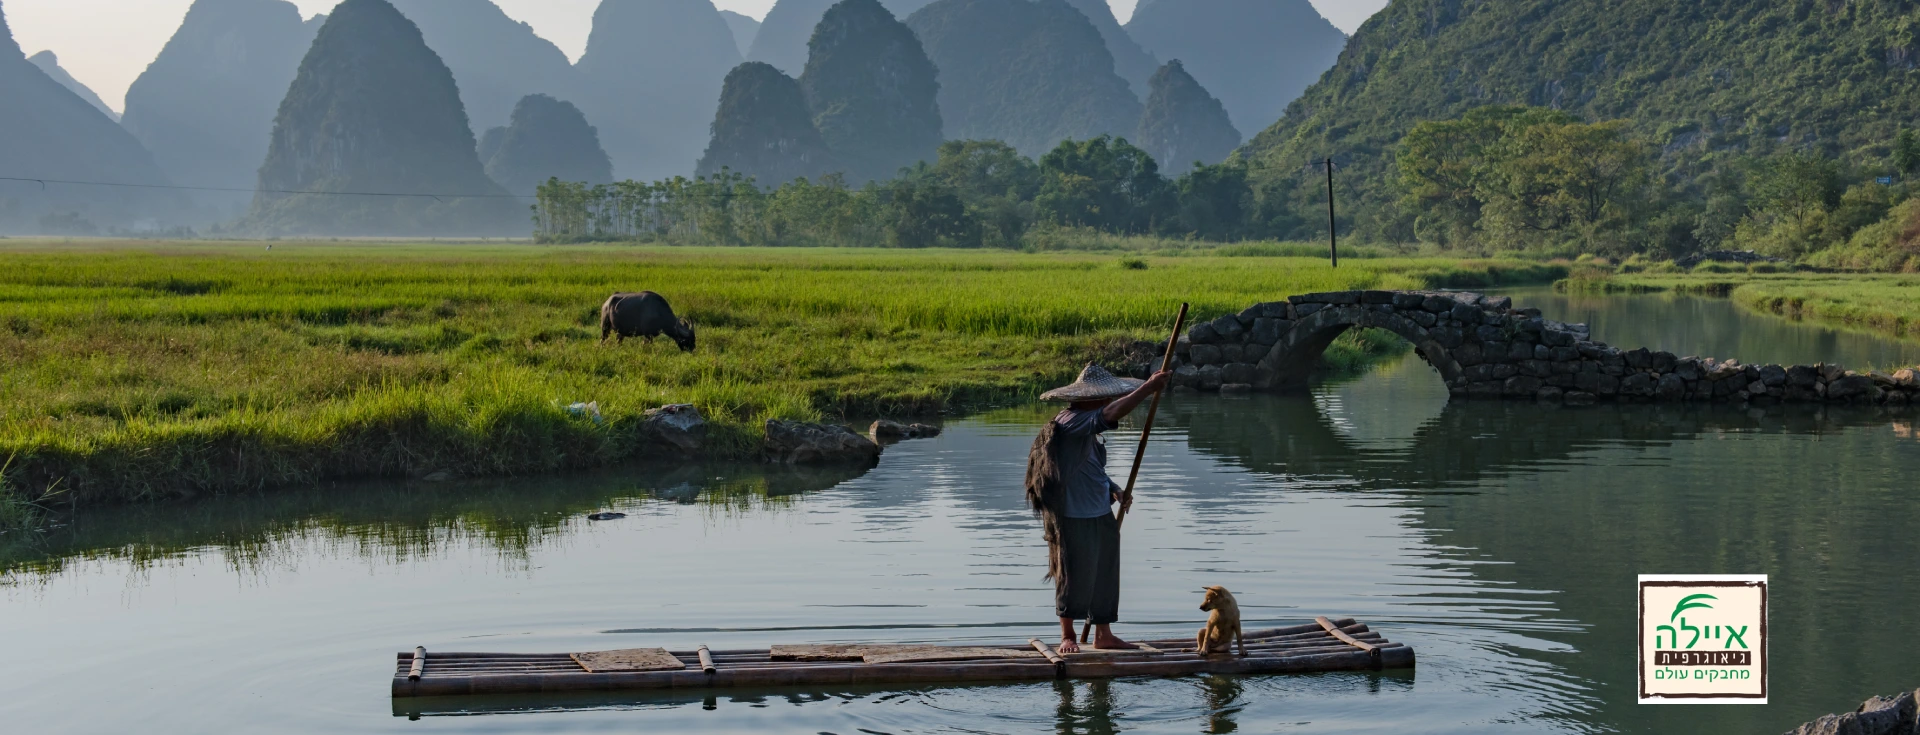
1086,491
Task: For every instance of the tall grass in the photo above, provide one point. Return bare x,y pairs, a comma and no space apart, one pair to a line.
149,371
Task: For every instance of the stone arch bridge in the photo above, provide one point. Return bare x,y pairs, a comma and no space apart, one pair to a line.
1484,347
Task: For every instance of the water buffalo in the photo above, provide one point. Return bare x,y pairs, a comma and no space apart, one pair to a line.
643,314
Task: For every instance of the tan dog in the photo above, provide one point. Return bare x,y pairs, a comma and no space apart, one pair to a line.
1223,620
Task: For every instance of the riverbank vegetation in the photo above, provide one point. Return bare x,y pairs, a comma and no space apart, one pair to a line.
1887,304
141,371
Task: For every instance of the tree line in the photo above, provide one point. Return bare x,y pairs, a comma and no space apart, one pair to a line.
1500,179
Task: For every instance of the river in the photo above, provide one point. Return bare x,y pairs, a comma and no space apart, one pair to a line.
1501,540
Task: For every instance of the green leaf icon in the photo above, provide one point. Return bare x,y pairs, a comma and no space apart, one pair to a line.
1690,602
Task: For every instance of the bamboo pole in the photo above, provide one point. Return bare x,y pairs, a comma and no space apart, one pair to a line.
1146,430
706,660
419,663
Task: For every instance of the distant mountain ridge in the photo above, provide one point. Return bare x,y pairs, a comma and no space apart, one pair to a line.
50,63
375,115
48,132
495,59
650,81
1255,55
1028,72
205,105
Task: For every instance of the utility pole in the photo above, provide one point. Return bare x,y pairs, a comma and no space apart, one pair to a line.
1333,235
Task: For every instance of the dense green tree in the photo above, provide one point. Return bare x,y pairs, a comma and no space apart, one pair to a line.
205,105
1703,81
649,80
1214,203
1104,183
1028,72
1183,124
373,110
1255,55
1515,177
872,91
763,129
919,214
548,139
1906,151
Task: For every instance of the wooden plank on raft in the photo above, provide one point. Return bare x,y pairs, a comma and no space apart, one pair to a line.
1337,633
917,654
1045,650
628,659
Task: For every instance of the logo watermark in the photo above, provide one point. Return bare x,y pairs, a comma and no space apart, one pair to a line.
1703,639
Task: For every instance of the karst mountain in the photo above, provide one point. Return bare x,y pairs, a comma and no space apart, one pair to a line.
764,130
373,138
744,27
495,59
650,81
48,132
206,104
1028,72
50,63
1700,80
1255,55
548,138
1183,124
872,91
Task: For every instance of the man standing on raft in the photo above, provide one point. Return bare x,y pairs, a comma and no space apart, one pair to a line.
1067,485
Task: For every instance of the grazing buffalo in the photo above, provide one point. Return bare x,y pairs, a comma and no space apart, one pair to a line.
643,314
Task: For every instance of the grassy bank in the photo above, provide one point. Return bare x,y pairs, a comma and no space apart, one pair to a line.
151,370
1885,304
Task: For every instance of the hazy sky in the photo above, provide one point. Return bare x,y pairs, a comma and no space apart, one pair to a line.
107,43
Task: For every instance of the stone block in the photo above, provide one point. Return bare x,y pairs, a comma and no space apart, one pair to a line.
1638,359
1906,378
1497,303
1467,354
1422,318
1256,311
1550,394
1437,304
1209,378
1230,353
1404,300
1465,314
1564,354
1204,355
1488,333
1203,334
1562,380
1773,375
1662,362
1520,351
1688,369
1239,372
1638,384
1229,328
1329,297
1300,311
1186,376
1597,383
1542,352
1502,372
1278,310
1536,368
1520,386
1557,338
1267,331
1670,388
1376,297
1850,386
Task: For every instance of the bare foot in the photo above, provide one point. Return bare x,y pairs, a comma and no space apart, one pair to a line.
1069,645
1110,642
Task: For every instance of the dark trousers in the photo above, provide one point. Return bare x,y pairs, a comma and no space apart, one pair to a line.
1089,588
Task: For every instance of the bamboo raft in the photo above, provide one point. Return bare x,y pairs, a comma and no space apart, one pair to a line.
1324,645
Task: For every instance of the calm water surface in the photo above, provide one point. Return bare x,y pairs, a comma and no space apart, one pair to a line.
1499,539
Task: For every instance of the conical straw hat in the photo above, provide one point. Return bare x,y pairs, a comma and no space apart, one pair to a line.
1095,383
